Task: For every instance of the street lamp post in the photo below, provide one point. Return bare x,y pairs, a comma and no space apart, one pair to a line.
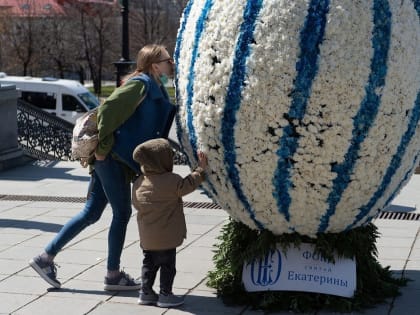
123,65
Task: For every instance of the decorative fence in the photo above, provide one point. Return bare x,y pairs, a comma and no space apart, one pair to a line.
42,135
47,137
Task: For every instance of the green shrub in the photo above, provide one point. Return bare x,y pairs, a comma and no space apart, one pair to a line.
239,244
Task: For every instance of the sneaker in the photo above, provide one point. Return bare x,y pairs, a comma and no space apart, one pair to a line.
121,283
47,270
148,298
169,300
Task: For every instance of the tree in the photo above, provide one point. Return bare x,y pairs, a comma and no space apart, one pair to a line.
155,21
96,29
84,36
20,36
59,49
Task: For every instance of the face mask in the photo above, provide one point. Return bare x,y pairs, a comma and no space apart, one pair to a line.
163,78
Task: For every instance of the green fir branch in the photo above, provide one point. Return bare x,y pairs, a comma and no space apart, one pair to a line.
240,244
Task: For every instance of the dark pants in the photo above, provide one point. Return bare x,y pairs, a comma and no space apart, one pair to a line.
153,260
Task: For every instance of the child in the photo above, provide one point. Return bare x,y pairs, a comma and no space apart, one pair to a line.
157,196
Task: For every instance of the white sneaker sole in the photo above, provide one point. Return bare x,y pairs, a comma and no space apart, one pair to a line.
140,302
116,287
167,305
41,272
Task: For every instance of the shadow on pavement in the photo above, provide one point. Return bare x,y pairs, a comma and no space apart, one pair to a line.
398,208
30,225
39,170
79,291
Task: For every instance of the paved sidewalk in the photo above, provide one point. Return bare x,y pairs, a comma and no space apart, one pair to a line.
37,199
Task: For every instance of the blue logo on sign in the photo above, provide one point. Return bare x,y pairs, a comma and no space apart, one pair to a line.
266,270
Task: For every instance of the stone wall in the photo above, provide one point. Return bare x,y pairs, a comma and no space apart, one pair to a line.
11,154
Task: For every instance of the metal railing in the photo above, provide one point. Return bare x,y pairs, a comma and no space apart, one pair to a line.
46,137
42,135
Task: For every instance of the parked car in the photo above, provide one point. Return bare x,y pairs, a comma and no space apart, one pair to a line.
67,99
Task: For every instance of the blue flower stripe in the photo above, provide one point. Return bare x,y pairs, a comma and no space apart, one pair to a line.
233,101
395,163
190,92
177,53
417,6
405,178
368,108
311,37
396,160
199,30
399,187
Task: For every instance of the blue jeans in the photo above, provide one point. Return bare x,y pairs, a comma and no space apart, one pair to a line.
108,183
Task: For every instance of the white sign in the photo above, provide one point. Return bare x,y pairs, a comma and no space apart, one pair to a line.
300,270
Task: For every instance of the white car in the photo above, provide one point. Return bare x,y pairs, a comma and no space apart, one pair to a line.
67,99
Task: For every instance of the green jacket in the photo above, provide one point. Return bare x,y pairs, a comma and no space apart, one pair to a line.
116,109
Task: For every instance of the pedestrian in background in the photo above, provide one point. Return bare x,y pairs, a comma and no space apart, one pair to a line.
157,196
137,111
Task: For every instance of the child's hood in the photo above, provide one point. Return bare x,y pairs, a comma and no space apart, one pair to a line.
154,156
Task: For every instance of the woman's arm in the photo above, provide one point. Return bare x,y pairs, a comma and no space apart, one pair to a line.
116,109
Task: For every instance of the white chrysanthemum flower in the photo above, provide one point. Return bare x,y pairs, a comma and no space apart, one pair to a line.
308,110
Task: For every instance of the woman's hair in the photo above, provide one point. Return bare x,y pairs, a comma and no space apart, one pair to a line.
146,56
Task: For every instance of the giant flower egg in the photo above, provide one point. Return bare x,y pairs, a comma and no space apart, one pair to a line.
308,110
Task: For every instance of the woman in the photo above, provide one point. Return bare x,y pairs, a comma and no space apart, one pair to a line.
137,111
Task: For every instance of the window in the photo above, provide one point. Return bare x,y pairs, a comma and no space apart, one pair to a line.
89,99
42,100
71,103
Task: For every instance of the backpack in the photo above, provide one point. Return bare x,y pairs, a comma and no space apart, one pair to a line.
85,137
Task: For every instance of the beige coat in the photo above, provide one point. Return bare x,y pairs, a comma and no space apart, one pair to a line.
157,196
